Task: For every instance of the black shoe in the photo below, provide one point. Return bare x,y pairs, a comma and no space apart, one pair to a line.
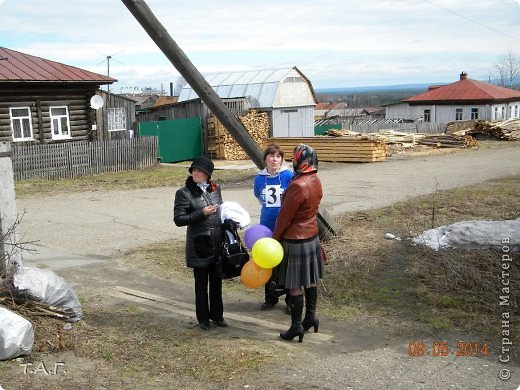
267,305
221,323
204,325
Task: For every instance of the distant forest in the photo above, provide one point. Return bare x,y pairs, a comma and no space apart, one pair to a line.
363,97
368,97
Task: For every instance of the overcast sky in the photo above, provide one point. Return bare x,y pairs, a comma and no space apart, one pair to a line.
335,43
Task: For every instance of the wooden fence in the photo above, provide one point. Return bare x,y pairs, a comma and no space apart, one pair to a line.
74,159
429,128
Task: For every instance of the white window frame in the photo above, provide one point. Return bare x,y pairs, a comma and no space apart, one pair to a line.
458,114
57,118
474,113
20,119
427,116
116,118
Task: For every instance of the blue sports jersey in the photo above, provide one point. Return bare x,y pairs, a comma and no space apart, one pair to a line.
268,190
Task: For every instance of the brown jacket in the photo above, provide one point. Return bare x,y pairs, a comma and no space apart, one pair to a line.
297,219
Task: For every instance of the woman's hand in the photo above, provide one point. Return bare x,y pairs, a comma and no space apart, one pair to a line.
212,209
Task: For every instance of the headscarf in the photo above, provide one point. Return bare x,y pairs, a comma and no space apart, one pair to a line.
305,159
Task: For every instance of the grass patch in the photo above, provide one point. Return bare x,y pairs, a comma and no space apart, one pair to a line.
158,176
452,289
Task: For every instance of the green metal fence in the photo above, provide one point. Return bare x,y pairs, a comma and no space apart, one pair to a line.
322,129
179,139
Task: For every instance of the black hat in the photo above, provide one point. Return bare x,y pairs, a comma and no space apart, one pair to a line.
204,164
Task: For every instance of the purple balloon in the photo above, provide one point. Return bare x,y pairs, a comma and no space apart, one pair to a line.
256,232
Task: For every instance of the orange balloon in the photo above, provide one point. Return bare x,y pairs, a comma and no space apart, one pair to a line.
253,276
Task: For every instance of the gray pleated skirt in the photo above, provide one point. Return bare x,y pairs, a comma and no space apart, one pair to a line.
301,265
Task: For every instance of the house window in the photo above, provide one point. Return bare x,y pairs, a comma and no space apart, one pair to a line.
21,124
427,117
458,114
474,113
60,124
116,119
516,111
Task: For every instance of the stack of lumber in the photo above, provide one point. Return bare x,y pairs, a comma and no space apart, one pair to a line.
337,149
448,141
387,136
222,146
507,130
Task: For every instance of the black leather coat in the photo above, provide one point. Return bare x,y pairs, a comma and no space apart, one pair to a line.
204,233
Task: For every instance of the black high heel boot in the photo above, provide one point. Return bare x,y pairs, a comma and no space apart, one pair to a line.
311,320
296,329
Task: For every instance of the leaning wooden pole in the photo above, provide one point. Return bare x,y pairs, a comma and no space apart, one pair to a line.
184,66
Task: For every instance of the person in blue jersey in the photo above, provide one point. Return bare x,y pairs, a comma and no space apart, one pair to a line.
269,185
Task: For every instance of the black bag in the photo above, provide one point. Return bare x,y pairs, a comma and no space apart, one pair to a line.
233,255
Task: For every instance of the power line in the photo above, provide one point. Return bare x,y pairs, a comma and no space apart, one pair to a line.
516,8
472,21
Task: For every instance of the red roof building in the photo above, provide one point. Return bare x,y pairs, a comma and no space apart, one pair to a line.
465,90
465,99
44,101
20,67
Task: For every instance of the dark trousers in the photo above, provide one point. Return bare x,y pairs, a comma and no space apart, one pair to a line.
212,308
273,291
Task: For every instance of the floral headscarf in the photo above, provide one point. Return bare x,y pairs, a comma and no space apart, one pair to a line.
305,159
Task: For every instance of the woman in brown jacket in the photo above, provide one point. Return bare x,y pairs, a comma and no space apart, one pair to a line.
297,230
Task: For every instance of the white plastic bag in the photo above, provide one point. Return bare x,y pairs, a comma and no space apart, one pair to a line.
16,335
44,286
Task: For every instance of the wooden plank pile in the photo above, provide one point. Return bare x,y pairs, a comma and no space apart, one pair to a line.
222,146
336,149
448,141
407,140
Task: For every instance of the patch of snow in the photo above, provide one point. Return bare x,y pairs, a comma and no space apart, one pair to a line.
473,235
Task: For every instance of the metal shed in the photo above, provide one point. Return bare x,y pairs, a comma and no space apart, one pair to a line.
286,94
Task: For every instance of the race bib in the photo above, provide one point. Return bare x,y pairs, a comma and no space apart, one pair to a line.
273,195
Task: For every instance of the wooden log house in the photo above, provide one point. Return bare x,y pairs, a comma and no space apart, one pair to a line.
43,101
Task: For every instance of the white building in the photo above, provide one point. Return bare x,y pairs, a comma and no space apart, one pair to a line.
465,99
286,94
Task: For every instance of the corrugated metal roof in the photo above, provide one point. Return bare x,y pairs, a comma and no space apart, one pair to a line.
259,86
464,89
17,67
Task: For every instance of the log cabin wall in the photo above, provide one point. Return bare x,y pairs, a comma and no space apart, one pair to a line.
39,99
111,101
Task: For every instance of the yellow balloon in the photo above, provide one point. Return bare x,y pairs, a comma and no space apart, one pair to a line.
253,276
267,252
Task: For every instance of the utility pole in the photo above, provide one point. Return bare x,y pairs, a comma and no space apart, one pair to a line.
108,72
185,67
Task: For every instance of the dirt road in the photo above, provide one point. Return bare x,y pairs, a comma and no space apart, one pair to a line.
103,224
96,227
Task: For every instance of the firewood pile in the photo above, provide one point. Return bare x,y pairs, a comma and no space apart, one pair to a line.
222,146
507,130
459,128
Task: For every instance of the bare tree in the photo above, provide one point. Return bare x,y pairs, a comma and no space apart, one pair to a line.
508,69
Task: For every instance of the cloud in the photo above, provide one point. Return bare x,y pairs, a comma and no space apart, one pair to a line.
332,42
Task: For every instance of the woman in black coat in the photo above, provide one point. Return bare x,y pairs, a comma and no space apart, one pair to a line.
197,207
